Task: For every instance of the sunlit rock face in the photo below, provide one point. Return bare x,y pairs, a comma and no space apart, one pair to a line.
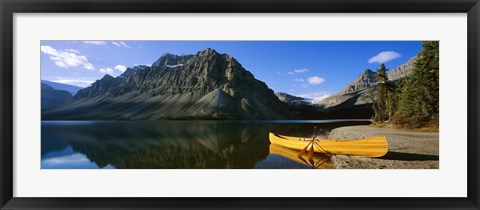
356,98
207,85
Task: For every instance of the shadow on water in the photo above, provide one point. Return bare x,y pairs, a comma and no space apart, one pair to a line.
172,144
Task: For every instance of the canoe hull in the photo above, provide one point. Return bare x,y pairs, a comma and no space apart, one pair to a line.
376,146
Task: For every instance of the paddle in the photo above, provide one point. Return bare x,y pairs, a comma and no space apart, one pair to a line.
301,158
310,153
322,162
311,142
315,135
321,148
300,154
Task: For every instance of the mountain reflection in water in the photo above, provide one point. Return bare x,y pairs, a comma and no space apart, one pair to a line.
174,144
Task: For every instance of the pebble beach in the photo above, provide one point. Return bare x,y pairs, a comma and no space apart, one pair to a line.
407,149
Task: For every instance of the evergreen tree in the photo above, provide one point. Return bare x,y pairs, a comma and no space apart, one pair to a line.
381,105
419,98
394,96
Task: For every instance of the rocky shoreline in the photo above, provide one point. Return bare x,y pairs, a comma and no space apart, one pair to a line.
407,149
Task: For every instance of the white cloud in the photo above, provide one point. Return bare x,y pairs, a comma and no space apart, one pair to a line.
120,68
142,64
300,70
81,82
106,70
111,71
73,51
89,66
120,44
315,80
66,59
61,64
299,80
297,71
125,44
95,42
384,57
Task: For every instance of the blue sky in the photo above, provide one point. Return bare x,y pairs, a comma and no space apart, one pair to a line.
313,69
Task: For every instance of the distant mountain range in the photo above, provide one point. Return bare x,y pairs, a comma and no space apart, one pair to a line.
355,100
206,85
52,97
291,100
368,79
60,86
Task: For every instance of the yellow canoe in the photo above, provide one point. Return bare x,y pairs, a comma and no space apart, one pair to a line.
376,146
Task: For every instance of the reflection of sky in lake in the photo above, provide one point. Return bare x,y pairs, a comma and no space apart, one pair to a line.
68,158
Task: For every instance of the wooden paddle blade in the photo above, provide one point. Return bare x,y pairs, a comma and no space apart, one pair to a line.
300,154
303,160
310,155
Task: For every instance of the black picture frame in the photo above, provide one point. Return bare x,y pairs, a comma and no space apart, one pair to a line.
10,7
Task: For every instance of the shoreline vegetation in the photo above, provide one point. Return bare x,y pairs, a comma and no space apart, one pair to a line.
408,149
411,103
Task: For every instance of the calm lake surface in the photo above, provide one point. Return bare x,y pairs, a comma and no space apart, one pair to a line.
177,144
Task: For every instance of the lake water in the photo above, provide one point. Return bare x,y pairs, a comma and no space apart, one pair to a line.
177,144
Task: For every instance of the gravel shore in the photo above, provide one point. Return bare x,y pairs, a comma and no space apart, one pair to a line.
407,149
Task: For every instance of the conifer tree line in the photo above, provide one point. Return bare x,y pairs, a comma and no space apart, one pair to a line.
414,100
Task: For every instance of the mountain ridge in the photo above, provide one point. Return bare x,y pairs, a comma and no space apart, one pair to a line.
206,85
51,97
359,94
61,86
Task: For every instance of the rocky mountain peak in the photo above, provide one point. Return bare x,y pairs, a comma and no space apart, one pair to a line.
99,88
368,79
204,85
208,52
166,59
368,72
130,70
356,98
363,81
403,70
107,77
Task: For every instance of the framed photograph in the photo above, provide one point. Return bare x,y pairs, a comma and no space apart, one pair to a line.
239,105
